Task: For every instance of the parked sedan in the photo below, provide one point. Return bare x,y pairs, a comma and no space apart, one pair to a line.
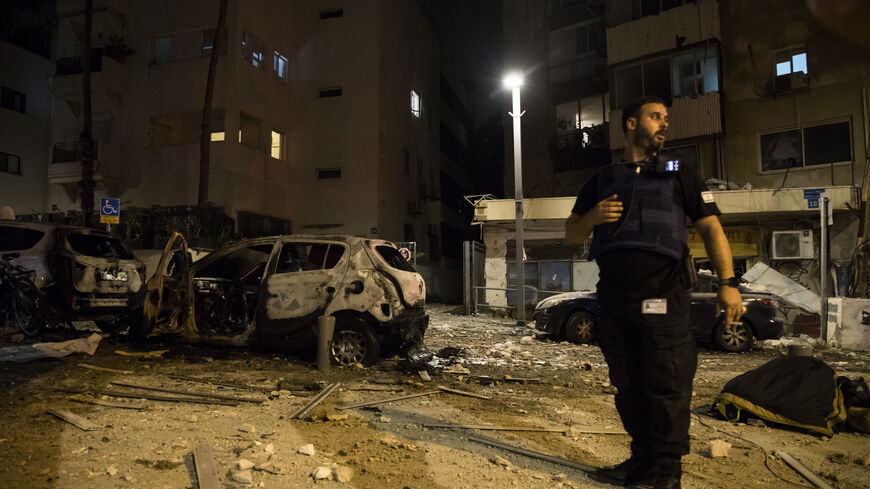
270,291
572,315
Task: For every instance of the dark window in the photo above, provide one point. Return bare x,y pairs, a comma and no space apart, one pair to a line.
253,225
10,163
656,79
326,173
629,84
303,257
329,92
238,264
807,146
208,41
13,100
98,246
331,14
16,238
830,143
394,258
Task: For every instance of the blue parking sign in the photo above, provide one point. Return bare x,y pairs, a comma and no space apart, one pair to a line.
110,210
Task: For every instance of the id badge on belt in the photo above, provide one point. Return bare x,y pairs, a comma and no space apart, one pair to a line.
654,306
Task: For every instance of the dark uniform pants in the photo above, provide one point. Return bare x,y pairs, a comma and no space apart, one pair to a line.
652,360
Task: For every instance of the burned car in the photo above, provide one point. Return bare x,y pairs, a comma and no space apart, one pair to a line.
86,274
270,291
572,316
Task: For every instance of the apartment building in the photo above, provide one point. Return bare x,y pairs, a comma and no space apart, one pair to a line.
322,111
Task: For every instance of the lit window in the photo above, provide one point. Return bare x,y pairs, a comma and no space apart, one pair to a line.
279,65
791,61
218,136
277,150
416,104
252,49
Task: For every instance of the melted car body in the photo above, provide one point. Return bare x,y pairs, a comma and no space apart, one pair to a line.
89,274
270,291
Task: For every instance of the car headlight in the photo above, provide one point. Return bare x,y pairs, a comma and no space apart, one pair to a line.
544,304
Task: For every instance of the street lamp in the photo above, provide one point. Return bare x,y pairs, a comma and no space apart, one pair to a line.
514,81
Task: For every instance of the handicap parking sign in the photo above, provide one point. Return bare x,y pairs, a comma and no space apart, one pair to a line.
110,210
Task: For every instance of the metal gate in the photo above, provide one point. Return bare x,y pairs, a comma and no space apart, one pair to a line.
473,254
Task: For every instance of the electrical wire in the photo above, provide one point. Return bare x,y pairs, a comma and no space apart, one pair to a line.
764,450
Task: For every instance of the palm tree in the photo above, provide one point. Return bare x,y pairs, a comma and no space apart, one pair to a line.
205,135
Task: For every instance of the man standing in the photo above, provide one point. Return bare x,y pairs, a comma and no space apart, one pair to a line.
637,209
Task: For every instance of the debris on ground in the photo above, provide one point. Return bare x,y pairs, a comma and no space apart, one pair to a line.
27,353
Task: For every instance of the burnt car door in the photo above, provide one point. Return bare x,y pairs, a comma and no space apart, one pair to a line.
299,287
226,289
168,301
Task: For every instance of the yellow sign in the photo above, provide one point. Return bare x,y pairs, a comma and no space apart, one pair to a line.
110,219
745,241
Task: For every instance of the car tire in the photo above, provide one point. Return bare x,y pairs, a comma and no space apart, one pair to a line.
736,338
354,342
578,328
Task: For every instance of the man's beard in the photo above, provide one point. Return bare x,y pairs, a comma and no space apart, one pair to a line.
645,139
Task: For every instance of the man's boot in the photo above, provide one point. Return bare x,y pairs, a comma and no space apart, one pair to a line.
629,471
665,473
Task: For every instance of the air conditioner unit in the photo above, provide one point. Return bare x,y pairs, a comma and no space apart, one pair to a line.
792,245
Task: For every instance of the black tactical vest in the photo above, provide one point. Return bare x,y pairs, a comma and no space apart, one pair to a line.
651,219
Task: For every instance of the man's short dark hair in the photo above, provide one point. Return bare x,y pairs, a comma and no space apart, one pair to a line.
632,109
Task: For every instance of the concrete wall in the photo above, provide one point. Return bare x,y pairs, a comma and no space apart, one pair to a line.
26,135
837,76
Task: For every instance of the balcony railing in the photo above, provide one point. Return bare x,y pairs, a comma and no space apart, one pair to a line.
72,65
69,152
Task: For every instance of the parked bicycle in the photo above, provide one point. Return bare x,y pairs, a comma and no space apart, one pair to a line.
20,300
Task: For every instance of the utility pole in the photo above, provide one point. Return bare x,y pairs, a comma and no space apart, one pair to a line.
86,140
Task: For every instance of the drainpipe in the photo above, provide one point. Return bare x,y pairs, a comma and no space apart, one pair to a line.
825,204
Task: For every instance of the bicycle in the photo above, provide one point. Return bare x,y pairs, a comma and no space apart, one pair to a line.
20,300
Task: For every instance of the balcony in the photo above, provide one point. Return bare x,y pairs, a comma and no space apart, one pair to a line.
681,26
66,163
690,117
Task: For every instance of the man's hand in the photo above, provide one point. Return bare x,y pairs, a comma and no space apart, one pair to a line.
729,301
607,211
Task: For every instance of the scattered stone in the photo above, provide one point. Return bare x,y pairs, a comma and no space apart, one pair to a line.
343,473
307,449
755,422
128,478
244,464
384,419
500,461
321,473
560,477
270,448
526,340
112,470
865,460
719,448
336,417
243,477
247,428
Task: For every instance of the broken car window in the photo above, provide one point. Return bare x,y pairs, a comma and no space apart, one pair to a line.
301,257
15,238
98,246
394,258
238,264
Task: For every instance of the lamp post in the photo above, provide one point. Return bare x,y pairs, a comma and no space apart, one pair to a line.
514,81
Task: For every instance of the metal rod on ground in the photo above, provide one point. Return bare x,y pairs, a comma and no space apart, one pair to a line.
314,402
531,453
194,400
463,393
222,384
802,470
495,427
325,330
187,393
391,399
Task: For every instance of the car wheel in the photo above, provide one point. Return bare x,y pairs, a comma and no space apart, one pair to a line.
354,342
735,337
578,328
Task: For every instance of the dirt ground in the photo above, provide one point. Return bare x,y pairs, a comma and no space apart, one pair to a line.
150,443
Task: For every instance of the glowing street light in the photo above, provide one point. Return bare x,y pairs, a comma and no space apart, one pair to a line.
514,81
